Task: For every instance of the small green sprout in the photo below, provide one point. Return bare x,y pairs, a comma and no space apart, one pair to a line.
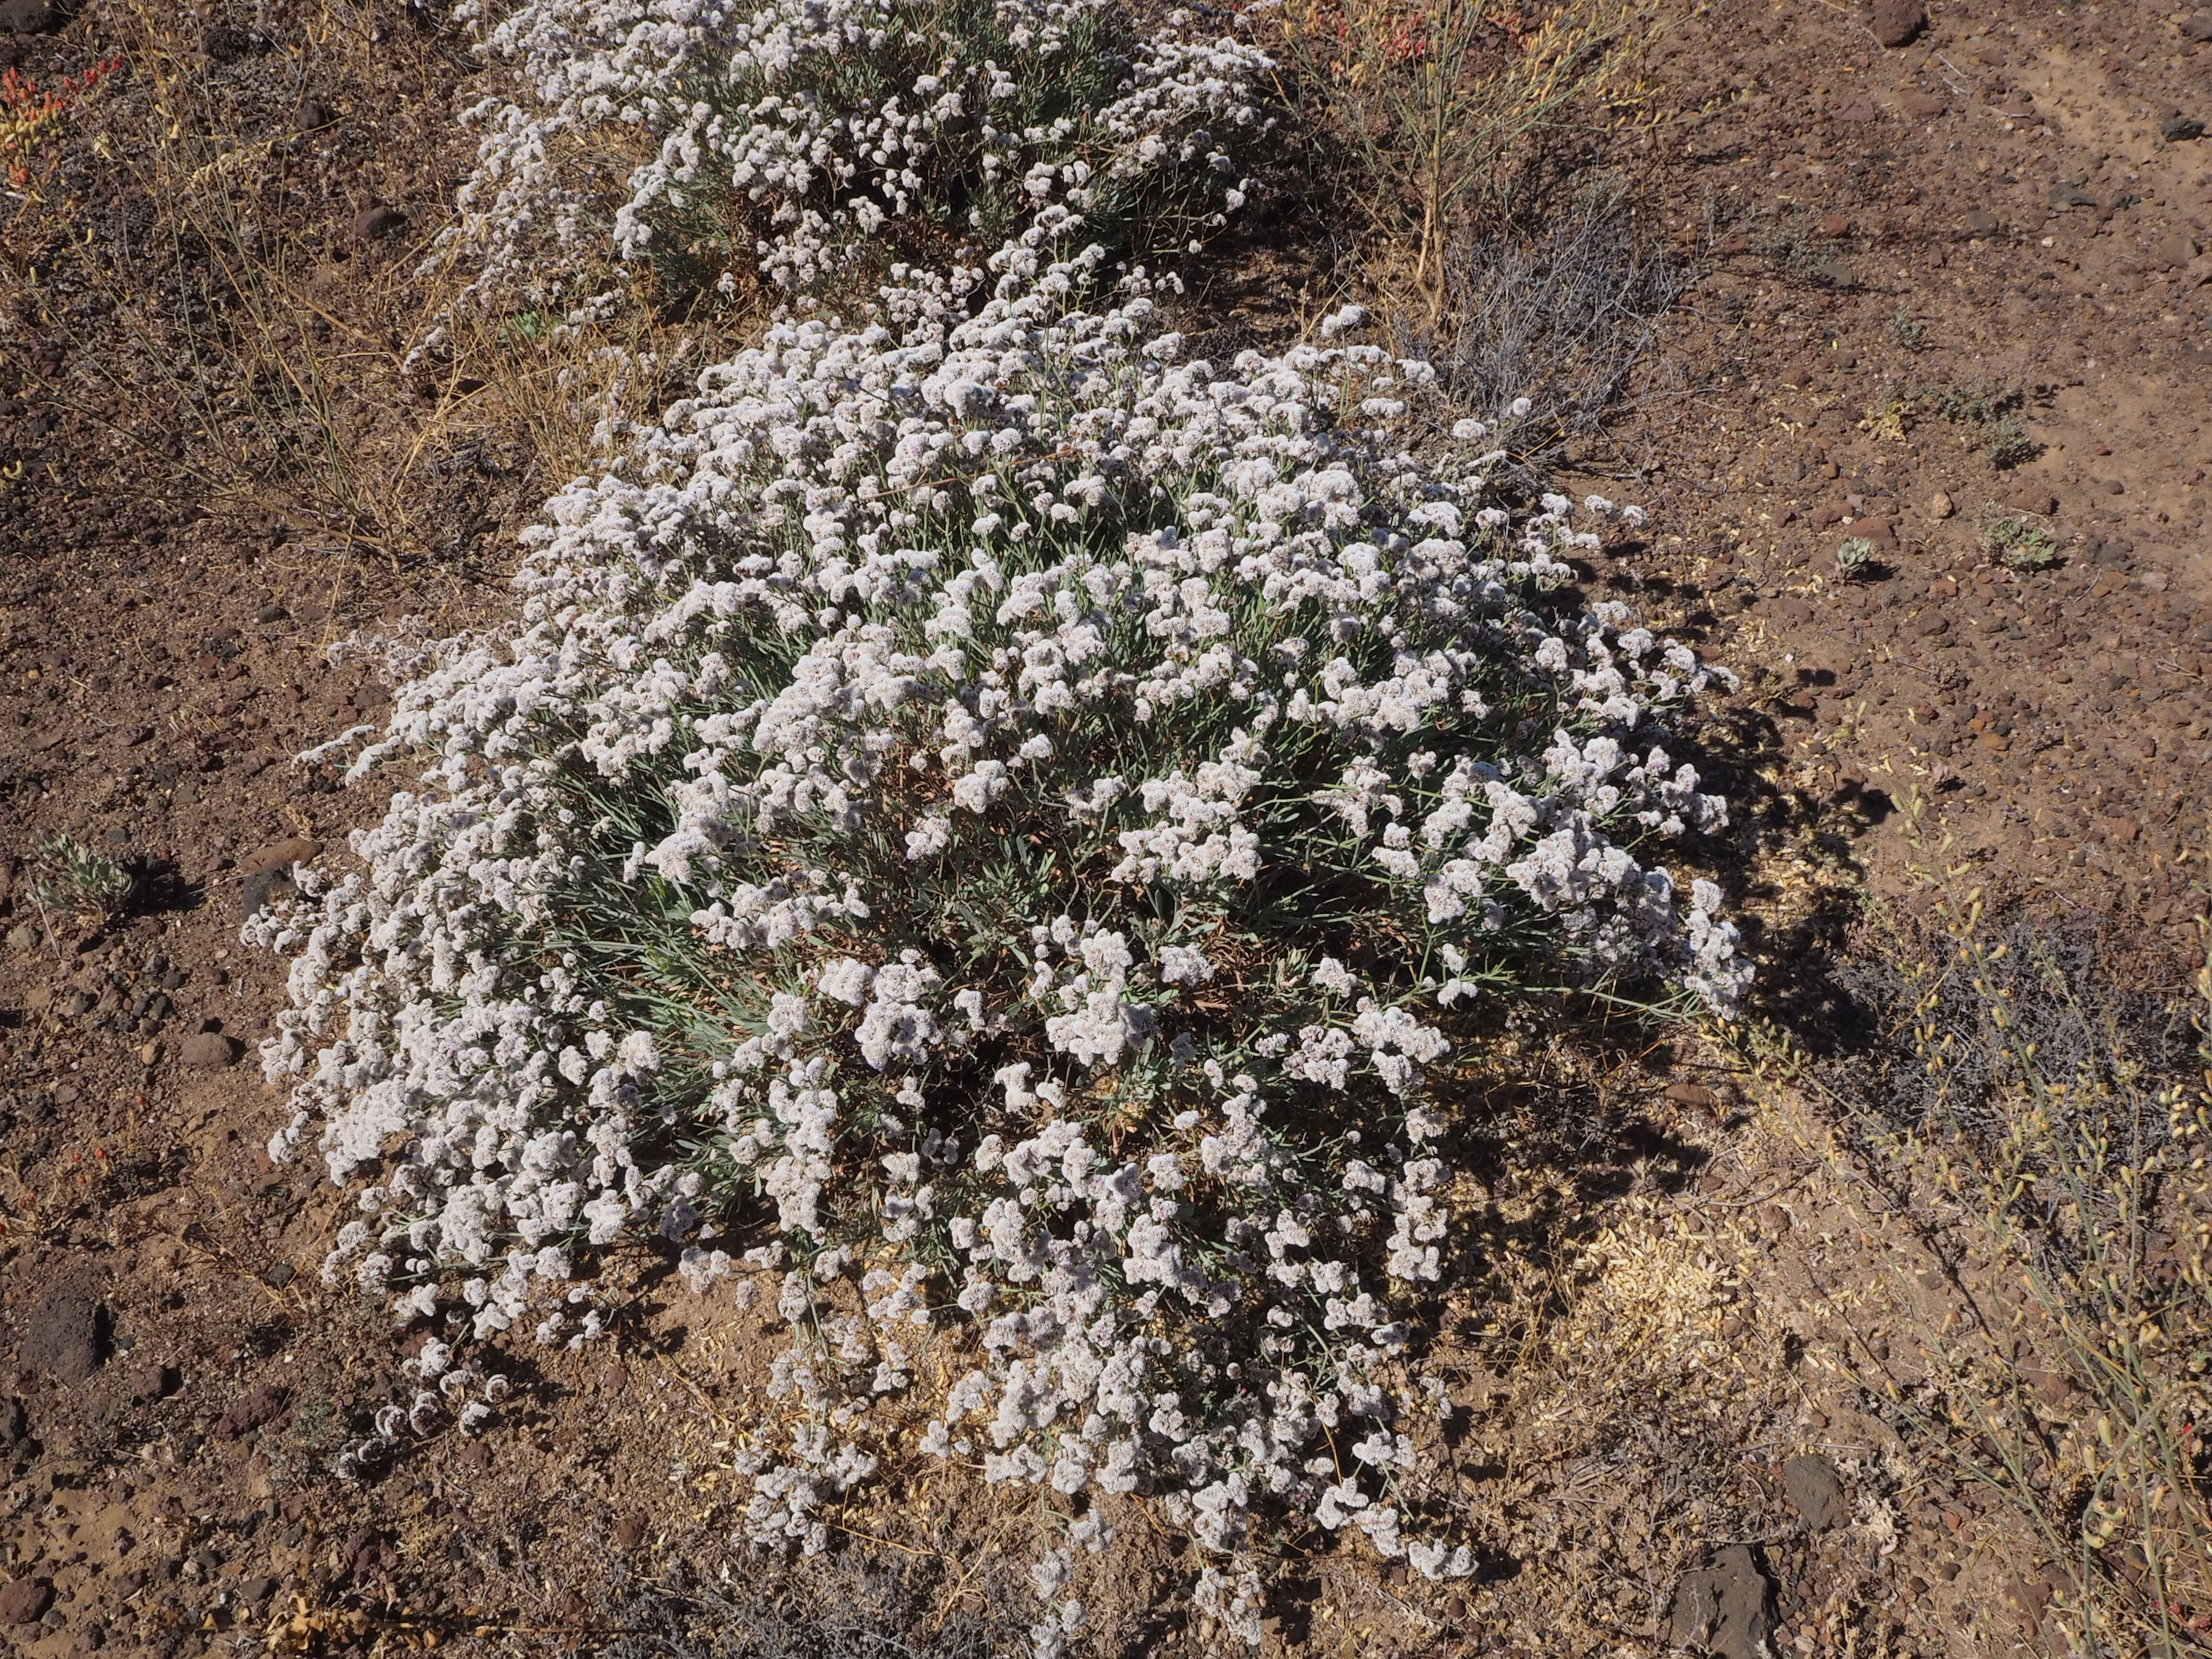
1855,558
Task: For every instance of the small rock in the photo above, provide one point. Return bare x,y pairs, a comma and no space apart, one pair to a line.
1853,110
2040,503
278,1274
629,1531
66,1333
2175,252
1835,274
1917,105
151,1053
1877,531
30,17
374,223
150,1382
2111,487
1723,1607
255,1590
1694,1094
25,1600
226,43
23,938
2198,27
1980,221
1939,505
1815,1492
208,1048
2070,196
270,613
258,1408
1836,224
314,116
1897,22
2181,129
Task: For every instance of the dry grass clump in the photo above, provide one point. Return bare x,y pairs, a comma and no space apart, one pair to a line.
211,276
2053,1143
1449,110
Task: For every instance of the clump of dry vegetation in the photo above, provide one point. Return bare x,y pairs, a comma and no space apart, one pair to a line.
2045,1132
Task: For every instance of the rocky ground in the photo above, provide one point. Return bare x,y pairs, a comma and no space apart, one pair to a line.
1953,297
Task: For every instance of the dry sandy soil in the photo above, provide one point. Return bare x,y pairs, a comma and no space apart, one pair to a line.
1895,250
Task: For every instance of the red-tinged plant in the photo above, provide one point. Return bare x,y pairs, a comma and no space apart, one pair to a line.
29,113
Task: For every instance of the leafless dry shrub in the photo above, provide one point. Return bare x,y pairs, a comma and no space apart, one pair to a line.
1444,109
1563,313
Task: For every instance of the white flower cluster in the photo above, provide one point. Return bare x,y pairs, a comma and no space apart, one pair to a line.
1041,813
440,1401
790,138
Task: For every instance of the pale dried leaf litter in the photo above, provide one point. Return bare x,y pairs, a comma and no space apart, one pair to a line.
1033,822
789,141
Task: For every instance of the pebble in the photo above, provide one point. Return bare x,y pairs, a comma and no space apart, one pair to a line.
1917,105
1853,110
2198,27
2181,129
208,1048
23,938
1897,22
2041,502
1836,224
1980,221
1815,1492
1939,505
314,116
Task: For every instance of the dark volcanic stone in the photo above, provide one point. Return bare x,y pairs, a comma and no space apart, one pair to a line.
25,1600
227,43
374,223
66,1333
208,1048
1815,1492
1723,1608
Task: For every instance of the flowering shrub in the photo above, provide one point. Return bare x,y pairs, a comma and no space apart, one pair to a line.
1026,826
808,138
